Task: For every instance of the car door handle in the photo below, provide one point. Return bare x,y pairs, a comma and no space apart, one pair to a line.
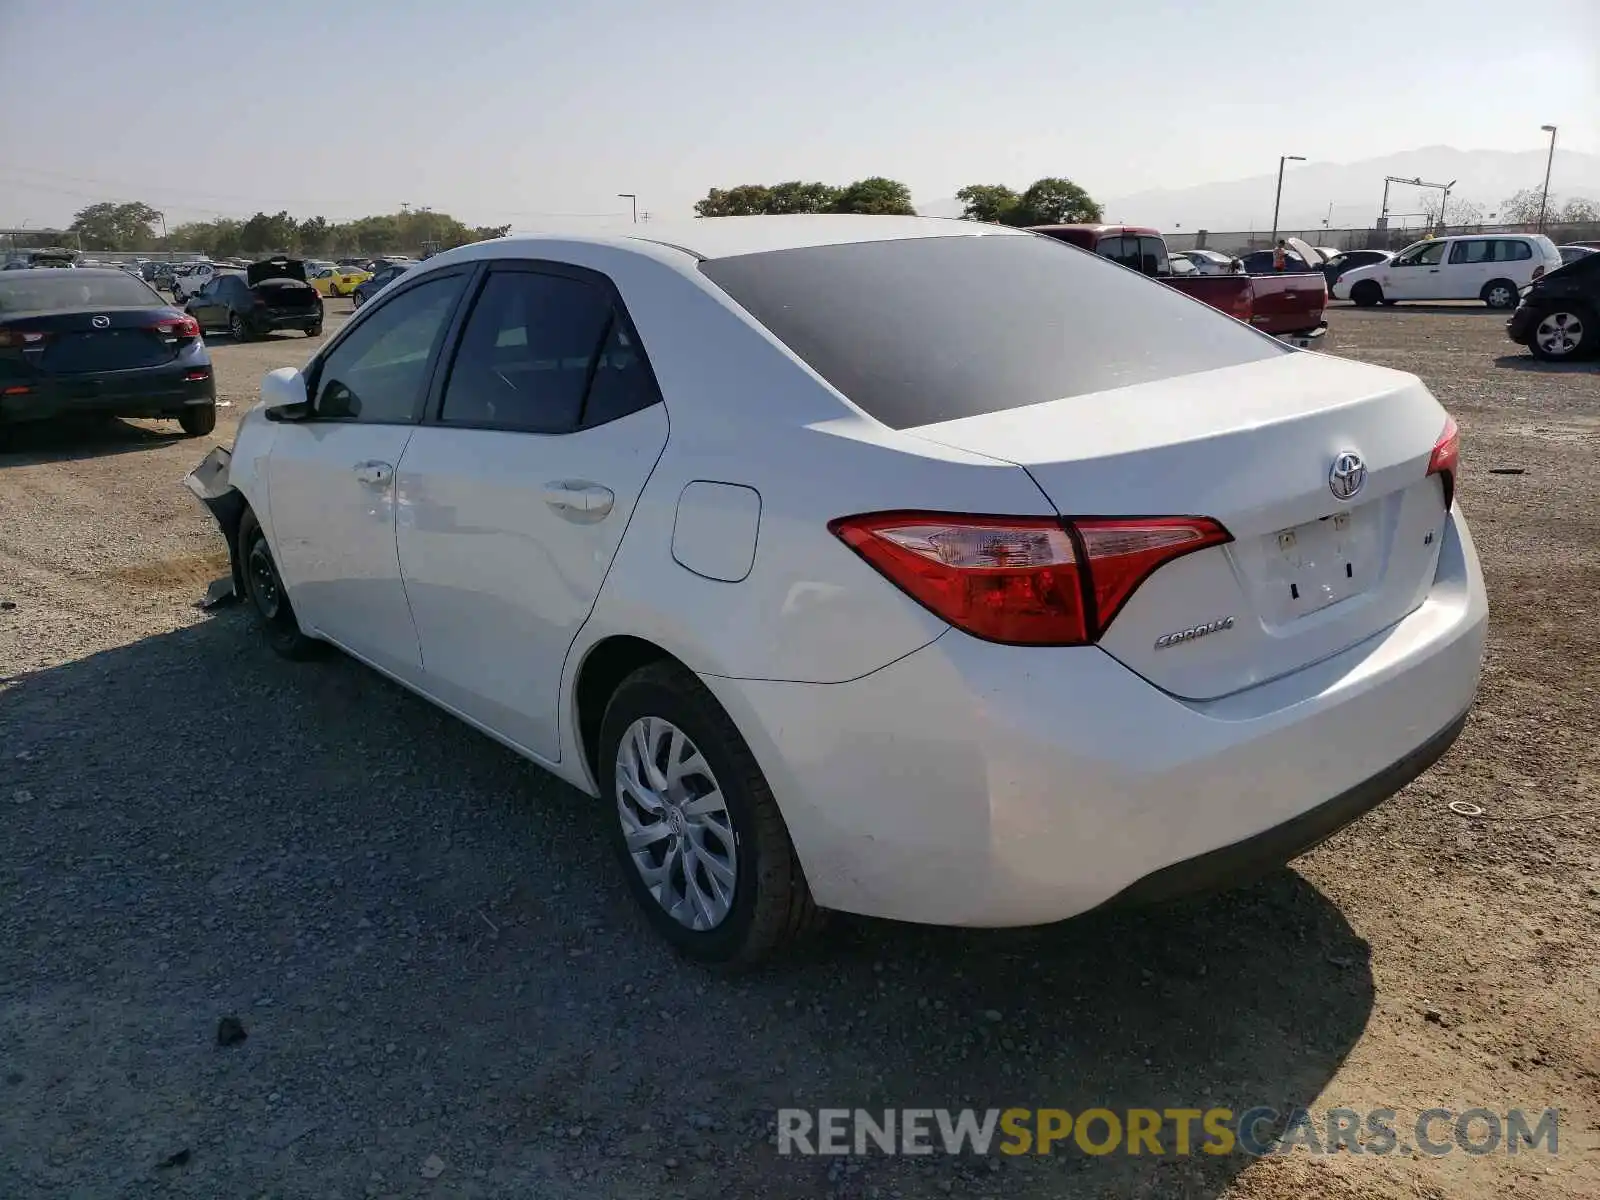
575,499
374,472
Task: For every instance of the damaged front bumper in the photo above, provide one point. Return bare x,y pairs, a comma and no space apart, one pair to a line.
209,483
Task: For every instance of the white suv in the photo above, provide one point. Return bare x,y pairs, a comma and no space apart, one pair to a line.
1487,267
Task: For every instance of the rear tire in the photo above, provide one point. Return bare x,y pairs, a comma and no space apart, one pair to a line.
1499,293
268,598
1563,333
690,780
237,328
313,330
198,420
1366,294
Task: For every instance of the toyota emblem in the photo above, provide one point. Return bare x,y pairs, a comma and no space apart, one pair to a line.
100,322
1347,476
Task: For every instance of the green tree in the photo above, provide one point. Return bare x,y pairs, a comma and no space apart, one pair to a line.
1054,201
797,197
112,226
992,202
313,235
876,196
746,200
277,234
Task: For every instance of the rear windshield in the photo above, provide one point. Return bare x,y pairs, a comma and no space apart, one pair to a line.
74,289
934,329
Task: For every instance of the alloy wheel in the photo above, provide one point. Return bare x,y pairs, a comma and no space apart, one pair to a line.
675,820
1559,334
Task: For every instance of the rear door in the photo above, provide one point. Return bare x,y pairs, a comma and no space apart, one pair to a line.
519,488
332,479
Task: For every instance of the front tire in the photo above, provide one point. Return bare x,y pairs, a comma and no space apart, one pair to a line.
1366,294
1500,293
198,420
1564,333
268,598
703,847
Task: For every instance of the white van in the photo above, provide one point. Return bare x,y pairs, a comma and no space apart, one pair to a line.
1487,267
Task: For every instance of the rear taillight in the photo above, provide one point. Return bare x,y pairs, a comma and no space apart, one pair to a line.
197,375
23,339
1446,458
1538,272
1030,581
181,326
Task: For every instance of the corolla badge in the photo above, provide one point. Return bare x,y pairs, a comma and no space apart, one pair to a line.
1347,476
1194,631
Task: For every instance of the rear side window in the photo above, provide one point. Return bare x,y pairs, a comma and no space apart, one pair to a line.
1124,250
545,353
934,329
1507,250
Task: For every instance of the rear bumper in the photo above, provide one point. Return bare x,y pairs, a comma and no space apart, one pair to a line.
287,320
113,393
1307,339
975,784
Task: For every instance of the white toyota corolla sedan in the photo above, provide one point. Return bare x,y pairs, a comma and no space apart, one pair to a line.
923,569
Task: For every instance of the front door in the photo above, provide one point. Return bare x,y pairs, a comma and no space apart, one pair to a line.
1415,274
519,490
333,478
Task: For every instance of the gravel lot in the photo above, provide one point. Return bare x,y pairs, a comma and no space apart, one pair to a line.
447,993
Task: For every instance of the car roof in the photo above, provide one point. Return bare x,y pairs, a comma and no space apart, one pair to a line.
726,237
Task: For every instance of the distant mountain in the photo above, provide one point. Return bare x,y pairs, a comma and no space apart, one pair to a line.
1354,190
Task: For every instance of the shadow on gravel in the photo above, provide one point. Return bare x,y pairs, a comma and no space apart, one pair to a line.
33,442
1527,362
433,955
1462,308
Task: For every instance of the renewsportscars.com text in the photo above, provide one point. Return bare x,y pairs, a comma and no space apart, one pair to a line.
1164,1132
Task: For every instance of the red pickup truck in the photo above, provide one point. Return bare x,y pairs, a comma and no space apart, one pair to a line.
1287,305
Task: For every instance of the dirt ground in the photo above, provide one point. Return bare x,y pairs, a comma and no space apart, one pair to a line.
446,992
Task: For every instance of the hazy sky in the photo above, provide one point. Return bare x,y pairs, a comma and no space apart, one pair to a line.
500,111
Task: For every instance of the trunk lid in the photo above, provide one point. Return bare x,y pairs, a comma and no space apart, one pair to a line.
1253,446
275,268
81,342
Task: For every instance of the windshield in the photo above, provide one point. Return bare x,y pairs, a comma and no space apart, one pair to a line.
75,289
922,330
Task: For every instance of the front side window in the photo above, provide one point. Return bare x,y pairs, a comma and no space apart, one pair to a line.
1428,254
527,352
377,374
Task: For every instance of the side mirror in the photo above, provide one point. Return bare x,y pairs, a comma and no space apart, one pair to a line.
283,395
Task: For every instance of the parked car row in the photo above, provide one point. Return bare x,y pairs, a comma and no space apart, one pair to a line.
1287,305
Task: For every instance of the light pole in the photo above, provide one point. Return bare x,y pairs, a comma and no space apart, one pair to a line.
1544,197
634,200
1277,199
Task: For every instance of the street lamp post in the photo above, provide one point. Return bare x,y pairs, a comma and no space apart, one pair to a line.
1544,197
1278,199
634,200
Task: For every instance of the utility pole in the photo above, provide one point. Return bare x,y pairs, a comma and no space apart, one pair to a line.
1282,158
1544,197
634,200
